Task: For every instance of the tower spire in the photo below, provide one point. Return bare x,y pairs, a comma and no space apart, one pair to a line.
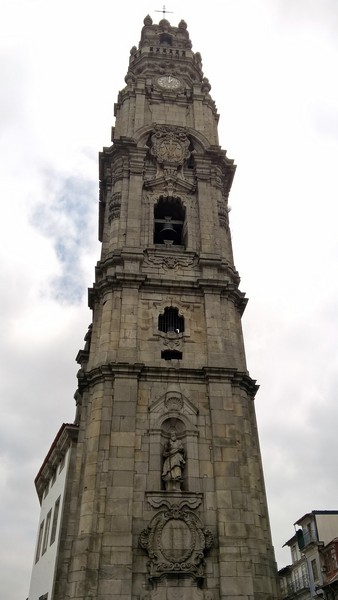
157,492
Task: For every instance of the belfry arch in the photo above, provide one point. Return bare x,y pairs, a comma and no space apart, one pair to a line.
170,221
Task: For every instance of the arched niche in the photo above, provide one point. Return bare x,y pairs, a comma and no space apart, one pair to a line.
199,141
173,412
183,317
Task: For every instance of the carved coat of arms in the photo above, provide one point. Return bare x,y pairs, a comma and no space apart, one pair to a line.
170,145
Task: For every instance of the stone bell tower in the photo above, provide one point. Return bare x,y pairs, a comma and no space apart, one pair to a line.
164,495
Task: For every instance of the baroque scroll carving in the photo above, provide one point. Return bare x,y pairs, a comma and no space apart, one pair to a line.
176,543
223,215
114,206
170,262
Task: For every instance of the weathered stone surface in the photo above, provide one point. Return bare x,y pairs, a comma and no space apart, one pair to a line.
144,381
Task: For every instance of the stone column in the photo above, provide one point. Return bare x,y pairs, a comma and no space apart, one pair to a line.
115,577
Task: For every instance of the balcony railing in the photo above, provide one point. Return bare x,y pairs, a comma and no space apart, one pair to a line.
292,587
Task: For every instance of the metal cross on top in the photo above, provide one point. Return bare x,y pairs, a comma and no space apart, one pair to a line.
164,11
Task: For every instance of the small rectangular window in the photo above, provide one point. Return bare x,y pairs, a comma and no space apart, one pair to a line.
46,490
62,463
45,537
171,355
314,569
53,479
55,520
38,548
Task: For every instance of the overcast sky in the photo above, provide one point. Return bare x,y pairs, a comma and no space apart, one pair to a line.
272,65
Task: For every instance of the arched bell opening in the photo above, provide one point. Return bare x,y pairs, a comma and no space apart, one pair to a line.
166,39
169,217
170,321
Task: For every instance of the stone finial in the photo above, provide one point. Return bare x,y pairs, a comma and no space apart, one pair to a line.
182,25
133,50
148,20
164,23
198,57
129,78
206,87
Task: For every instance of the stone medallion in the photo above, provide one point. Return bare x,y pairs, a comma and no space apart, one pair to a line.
176,543
170,145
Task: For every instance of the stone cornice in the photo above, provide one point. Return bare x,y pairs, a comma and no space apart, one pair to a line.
65,436
111,282
124,370
145,282
238,379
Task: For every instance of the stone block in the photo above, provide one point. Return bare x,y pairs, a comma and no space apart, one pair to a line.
127,423
119,506
123,478
140,481
122,492
109,586
125,409
121,557
121,523
237,530
223,499
237,586
125,452
122,463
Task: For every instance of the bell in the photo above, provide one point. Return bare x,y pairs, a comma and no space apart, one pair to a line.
168,232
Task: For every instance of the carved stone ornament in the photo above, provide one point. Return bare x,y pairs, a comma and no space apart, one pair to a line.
176,543
172,341
170,145
223,215
114,206
174,402
174,499
171,262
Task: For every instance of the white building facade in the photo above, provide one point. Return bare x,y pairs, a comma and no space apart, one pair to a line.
50,484
305,577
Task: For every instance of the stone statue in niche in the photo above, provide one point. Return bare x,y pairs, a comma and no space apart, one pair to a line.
173,465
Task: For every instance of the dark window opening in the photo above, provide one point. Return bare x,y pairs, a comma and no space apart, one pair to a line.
169,215
171,354
171,321
166,39
55,521
53,480
314,569
46,534
191,162
38,548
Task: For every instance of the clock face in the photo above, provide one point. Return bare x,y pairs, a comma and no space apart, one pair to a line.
168,82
